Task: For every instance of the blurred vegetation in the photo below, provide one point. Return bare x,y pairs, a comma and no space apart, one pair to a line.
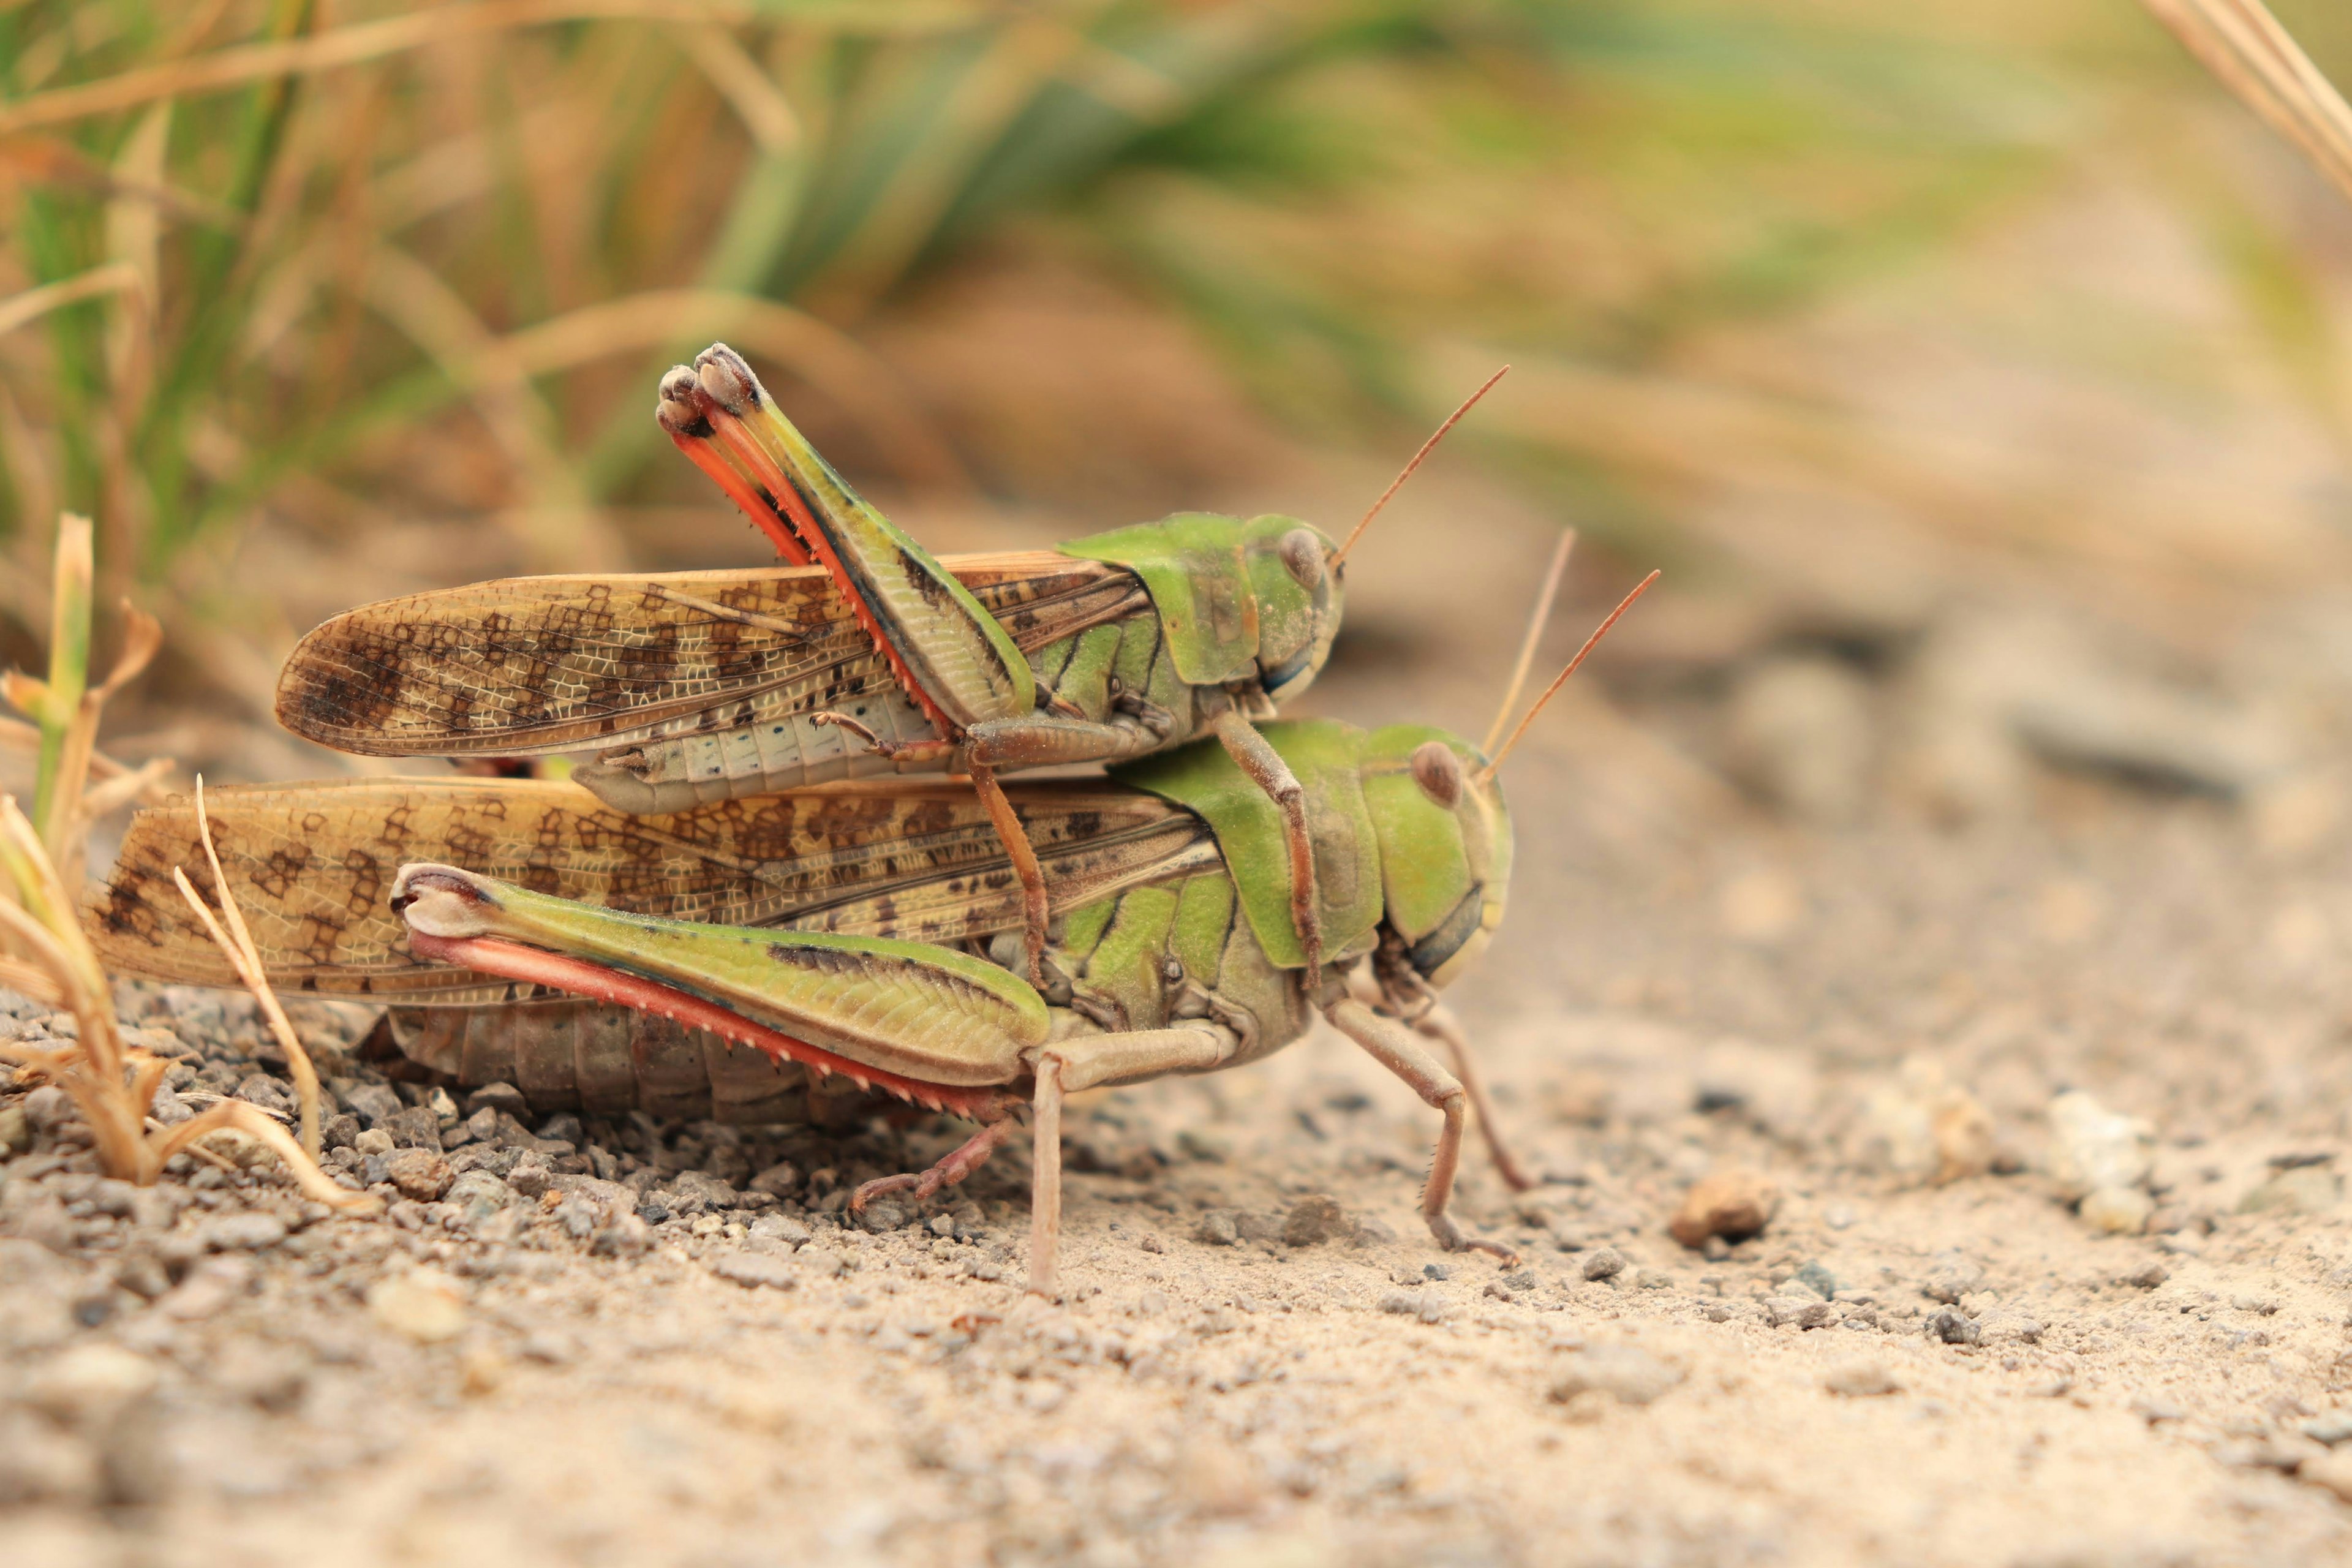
255,244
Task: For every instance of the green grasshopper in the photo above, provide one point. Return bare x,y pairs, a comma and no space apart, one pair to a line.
1195,971
704,686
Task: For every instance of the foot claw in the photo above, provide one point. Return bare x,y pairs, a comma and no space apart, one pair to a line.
878,1187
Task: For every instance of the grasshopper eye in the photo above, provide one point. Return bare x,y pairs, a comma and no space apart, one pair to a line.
1302,557
1438,771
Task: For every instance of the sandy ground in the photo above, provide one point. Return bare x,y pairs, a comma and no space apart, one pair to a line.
1687,985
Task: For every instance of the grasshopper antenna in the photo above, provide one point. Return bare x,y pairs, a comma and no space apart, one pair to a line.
1528,647
1560,679
1426,447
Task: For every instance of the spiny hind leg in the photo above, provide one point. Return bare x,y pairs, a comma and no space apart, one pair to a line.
1394,1048
962,1161
1253,754
1439,1023
1068,1066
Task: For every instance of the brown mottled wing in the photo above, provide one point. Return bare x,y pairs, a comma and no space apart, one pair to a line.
535,665
312,866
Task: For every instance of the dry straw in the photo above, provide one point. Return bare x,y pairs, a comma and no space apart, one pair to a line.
45,955
2244,45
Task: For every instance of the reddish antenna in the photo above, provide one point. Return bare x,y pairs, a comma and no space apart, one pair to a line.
1560,679
1426,447
1534,636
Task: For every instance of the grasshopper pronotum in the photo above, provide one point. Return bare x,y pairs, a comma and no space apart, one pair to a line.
700,686
1177,974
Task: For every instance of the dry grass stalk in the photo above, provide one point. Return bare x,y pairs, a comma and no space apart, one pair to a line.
2244,45
66,708
236,941
45,953
111,1085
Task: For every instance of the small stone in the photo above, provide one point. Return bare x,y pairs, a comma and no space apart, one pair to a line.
1952,1326
1860,1380
752,1269
1217,1227
531,1174
1313,1218
15,1131
424,1304
375,1140
778,1181
2147,1277
2303,1189
1440,1271
785,1229
1603,1263
1806,1311
478,1196
267,1092
1211,1148
496,1097
1951,1273
1732,1205
419,1173
622,1235
2096,1148
1817,1279
2118,1211
2330,1473
1429,1305
1626,1373
374,1103
2330,1428
90,1385
242,1233
414,1127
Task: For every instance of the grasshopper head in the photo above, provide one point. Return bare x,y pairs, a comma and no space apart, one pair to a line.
1299,606
442,901
1444,845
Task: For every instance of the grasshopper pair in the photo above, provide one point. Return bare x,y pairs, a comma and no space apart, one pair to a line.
873,657
1180,946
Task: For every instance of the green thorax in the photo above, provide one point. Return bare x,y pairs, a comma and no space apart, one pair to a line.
1382,848
1218,583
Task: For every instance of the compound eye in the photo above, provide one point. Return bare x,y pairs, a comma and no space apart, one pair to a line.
1438,771
1302,557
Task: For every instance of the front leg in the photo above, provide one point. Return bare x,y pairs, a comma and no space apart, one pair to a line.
1068,1066
1394,1047
1266,769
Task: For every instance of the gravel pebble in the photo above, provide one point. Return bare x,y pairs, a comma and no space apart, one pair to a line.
1952,1326
1733,1204
1860,1380
1603,1263
1951,1273
2118,1211
1217,1229
419,1172
1313,1218
424,1304
242,1233
753,1269
1429,1305
1627,1373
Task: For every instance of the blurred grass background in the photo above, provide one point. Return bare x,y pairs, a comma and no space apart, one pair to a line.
1824,302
